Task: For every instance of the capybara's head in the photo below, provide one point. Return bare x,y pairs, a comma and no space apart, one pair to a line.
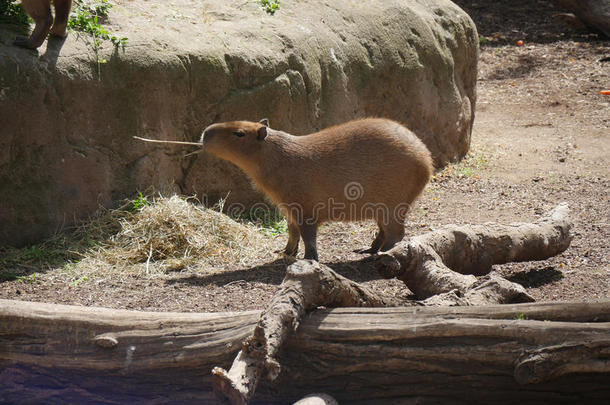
235,141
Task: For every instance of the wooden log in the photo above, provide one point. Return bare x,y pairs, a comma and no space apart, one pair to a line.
505,354
449,258
307,285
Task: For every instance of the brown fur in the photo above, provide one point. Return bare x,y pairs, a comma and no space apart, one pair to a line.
40,11
309,177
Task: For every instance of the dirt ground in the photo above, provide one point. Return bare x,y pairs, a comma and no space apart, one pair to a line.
541,137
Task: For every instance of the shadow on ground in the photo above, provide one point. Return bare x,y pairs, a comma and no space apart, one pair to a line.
504,22
273,273
523,67
533,278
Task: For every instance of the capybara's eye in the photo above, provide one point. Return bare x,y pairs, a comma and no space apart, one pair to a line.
239,133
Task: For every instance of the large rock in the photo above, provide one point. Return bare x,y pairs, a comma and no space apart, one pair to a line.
593,13
66,142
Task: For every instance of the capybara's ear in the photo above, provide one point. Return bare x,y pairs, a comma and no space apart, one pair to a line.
264,121
262,133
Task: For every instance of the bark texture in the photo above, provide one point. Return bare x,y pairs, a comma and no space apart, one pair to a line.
446,261
523,353
307,285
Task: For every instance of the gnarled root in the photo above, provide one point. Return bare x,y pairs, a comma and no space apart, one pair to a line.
447,260
306,286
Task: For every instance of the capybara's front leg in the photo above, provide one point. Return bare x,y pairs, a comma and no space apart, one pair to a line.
377,243
309,233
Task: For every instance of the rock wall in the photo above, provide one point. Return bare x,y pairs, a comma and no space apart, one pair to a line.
66,122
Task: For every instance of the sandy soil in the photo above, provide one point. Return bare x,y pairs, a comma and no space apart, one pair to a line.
541,137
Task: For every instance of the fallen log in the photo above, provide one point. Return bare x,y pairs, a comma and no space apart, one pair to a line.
523,353
307,285
448,259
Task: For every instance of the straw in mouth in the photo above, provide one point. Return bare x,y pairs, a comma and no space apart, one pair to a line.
171,142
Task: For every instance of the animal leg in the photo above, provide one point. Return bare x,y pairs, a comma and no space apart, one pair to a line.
309,233
377,242
40,11
292,247
394,233
62,13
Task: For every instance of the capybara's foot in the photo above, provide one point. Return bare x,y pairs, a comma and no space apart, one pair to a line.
290,252
285,252
369,251
60,32
311,256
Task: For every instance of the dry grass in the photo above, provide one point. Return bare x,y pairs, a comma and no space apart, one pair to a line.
172,234
166,235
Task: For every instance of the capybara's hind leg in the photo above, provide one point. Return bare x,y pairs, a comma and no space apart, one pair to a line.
309,233
394,232
377,242
62,13
292,247
40,11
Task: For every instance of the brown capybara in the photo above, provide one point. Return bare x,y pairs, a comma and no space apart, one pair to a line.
40,11
365,169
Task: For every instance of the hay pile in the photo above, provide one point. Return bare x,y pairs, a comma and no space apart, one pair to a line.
172,234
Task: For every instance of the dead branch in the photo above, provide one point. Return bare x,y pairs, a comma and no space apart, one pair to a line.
306,286
448,259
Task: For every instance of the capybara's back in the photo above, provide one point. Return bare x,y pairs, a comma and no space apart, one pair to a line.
368,165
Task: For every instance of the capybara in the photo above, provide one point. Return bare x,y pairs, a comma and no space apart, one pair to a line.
40,11
364,169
